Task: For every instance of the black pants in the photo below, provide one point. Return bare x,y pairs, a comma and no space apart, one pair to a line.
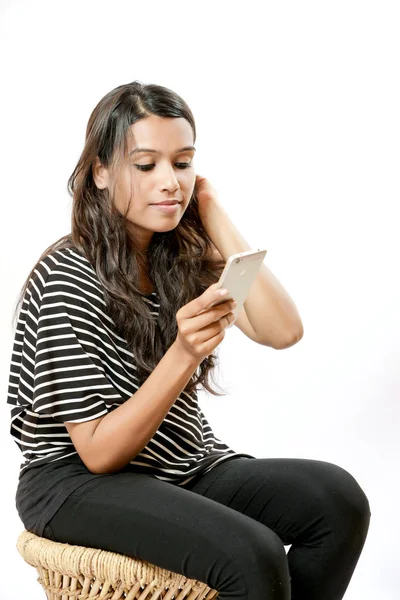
228,528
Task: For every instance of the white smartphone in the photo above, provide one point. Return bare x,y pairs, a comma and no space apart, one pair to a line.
238,276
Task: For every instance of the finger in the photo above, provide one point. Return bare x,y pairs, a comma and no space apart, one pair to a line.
212,329
211,297
212,319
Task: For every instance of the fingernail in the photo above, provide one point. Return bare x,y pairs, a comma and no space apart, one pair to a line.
223,292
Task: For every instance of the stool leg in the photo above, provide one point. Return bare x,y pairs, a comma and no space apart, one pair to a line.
74,583
44,581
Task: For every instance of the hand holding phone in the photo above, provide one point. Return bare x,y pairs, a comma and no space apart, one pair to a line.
238,276
200,329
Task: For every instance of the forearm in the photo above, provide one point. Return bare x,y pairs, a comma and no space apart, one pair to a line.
269,308
125,431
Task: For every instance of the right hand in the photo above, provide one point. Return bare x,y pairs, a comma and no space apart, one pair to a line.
199,334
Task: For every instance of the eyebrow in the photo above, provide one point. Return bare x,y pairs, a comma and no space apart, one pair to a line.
157,152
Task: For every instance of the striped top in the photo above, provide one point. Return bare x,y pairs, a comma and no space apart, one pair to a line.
69,364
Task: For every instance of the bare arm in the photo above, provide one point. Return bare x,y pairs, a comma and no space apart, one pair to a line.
108,443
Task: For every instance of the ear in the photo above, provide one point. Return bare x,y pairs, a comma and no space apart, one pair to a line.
100,174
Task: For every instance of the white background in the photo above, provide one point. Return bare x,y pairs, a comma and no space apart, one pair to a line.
311,89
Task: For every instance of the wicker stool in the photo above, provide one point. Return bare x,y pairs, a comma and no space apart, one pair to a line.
69,572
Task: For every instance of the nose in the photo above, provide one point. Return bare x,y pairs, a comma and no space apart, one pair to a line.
169,179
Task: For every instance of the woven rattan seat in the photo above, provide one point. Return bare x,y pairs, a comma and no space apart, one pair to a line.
69,572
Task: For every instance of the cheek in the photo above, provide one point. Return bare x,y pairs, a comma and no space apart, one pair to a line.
122,195
189,181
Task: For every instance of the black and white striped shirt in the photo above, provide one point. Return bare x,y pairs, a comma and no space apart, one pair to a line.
69,364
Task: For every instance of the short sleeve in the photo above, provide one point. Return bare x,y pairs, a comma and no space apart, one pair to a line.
70,382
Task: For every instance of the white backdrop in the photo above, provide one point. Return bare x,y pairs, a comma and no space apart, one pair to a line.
311,90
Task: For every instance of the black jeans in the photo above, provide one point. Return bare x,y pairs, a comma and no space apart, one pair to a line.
228,528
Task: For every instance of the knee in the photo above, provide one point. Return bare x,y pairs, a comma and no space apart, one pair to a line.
255,561
264,552
347,500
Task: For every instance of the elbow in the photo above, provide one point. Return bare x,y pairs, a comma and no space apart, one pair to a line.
96,469
290,340
94,466
96,462
104,467
109,464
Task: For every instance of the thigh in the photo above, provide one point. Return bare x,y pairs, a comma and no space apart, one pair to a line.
294,497
169,526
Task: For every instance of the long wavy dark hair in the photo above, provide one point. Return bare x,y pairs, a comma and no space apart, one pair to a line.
177,262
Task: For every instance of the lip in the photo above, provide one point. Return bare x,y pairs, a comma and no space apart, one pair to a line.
168,202
166,208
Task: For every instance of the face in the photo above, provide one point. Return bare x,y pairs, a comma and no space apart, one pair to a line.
163,171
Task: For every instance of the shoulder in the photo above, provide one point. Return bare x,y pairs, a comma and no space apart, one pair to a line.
65,272
68,261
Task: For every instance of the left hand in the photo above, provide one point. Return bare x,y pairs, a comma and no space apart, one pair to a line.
206,197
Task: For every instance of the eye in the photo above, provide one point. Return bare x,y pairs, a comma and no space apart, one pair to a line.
144,167
149,167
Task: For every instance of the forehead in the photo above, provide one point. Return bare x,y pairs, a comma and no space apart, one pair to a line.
164,134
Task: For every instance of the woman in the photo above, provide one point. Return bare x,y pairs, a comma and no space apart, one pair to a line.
109,351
